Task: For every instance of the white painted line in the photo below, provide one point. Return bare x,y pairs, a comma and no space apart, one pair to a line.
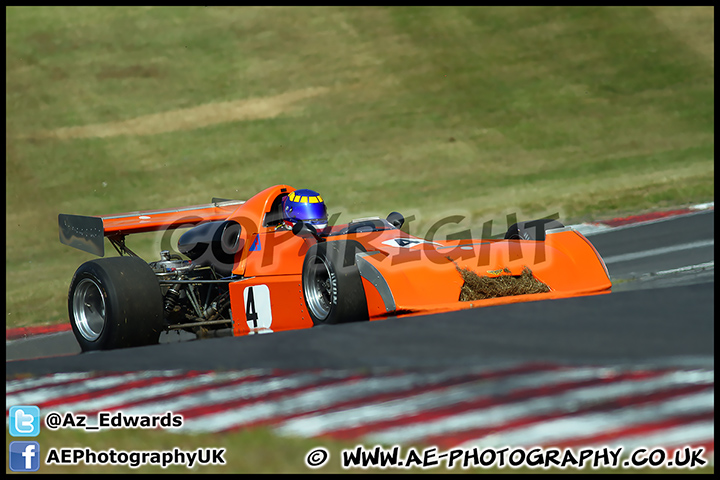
218,395
560,430
658,251
588,229
648,222
699,266
28,383
703,206
692,434
592,228
41,395
149,392
319,424
564,403
309,401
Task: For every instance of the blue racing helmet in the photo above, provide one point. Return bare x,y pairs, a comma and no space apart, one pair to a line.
306,205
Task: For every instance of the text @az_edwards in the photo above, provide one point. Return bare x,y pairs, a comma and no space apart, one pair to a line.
111,420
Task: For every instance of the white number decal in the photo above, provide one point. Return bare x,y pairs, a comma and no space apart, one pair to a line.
258,310
406,242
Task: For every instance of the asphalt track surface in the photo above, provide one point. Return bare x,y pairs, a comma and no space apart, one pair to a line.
661,312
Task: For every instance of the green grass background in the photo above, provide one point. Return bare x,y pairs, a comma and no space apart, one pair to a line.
587,112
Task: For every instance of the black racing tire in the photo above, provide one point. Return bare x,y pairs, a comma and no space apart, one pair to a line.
115,303
331,282
531,229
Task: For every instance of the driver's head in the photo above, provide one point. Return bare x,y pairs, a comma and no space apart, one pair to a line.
305,205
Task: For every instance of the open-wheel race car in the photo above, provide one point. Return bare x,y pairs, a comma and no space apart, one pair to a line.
273,263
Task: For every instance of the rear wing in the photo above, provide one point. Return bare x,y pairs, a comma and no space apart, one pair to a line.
87,233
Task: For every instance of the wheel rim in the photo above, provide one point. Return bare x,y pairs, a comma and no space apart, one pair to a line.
89,309
318,288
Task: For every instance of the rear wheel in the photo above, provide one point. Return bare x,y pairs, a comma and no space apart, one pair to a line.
332,286
115,303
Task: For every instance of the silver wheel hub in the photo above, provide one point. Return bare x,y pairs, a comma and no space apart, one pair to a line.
89,309
319,288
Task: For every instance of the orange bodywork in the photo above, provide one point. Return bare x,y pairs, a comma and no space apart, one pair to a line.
422,278
429,281
153,220
399,278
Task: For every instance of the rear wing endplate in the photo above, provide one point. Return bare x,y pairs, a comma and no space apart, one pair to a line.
87,233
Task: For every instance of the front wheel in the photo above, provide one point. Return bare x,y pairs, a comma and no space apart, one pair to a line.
332,286
115,303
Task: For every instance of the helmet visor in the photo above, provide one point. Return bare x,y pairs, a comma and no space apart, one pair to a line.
308,212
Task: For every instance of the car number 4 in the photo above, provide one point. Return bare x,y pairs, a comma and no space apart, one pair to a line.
258,311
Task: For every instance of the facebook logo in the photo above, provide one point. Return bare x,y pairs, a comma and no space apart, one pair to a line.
24,421
24,456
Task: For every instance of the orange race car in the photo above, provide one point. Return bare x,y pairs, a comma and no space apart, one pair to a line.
273,263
